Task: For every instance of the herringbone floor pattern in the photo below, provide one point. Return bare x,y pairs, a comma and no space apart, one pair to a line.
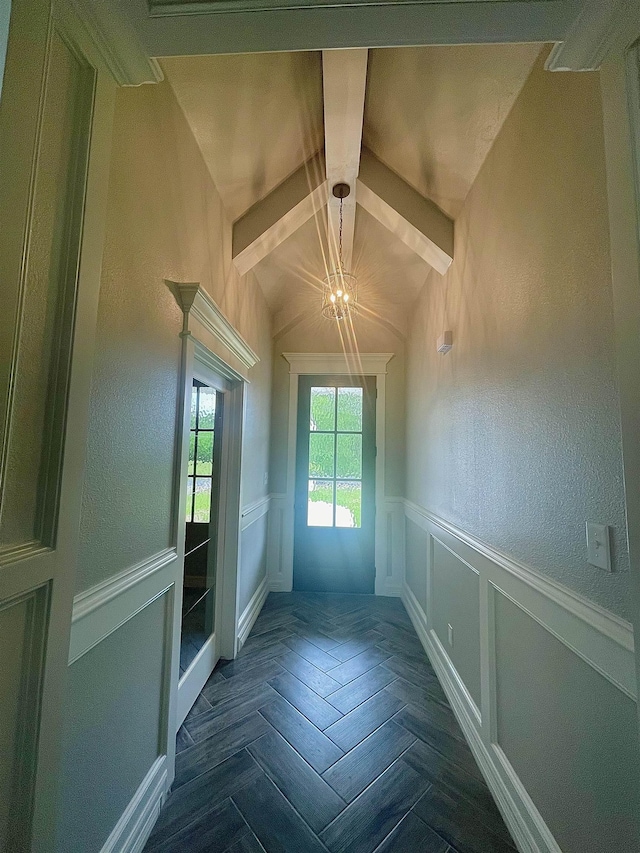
329,732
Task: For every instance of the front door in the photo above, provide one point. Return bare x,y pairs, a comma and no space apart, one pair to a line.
334,536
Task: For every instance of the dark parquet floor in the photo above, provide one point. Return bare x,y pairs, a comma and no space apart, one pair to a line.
329,732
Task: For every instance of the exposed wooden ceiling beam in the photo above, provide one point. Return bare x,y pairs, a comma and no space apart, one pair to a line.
344,79
415,220
270,221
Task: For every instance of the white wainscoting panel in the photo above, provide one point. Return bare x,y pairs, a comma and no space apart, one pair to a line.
100,610
250,514
280,543
591,634
390,551
133,829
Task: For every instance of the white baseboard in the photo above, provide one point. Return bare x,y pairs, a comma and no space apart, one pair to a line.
252,611
276,585
133,829
389,588
525,823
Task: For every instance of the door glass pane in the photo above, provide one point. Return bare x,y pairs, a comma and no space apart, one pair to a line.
320,506
350,409
321,454
323,409
207,410
194,407
189,495
202,509
349,456
348,504
204,461
192,451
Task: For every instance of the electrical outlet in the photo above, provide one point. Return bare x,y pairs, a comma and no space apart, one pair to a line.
599,546
450,635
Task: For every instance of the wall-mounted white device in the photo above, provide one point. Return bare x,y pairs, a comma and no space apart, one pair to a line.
599,546
445,342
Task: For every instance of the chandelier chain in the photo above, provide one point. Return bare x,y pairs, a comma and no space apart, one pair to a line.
340,243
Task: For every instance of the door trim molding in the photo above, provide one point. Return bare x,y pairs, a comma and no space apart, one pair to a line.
337,364
199,306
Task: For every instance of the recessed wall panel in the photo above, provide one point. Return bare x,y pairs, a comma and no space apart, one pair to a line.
253,566
417,542
570,735
455,590
22,626
113,728
40,355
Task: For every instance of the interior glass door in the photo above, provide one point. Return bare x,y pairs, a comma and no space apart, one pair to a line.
334,533
201,538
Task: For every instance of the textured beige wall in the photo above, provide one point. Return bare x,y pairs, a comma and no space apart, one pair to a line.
166,221
514,436
320,335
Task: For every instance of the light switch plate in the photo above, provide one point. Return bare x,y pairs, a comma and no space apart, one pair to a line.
598,546
450,635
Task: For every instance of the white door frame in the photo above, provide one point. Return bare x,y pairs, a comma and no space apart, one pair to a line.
620,82
213,351
198,366
334,364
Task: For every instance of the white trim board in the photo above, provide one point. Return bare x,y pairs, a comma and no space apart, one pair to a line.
245,26
359,364
590,37
199,306
103,608
115,42
252,611
133,829
599,637
525,823
309,364
254,511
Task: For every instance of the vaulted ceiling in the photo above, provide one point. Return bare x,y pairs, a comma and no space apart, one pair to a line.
430,115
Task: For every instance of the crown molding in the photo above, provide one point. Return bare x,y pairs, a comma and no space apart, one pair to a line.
196,303
590,37
115,42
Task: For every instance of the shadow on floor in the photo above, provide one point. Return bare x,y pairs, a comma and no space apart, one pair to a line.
330,731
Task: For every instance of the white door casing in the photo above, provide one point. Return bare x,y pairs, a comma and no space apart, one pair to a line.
214,352
363,364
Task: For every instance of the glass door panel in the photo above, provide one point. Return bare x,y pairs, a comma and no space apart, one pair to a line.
199,591
334,527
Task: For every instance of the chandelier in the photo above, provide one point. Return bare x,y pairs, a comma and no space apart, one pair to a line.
340,289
